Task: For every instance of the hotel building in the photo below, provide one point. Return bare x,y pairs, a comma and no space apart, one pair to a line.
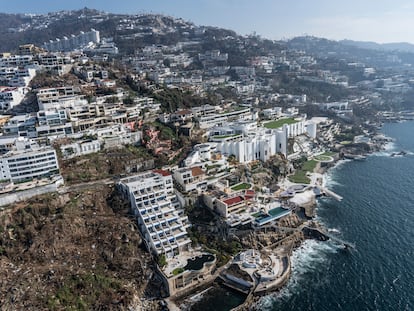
27,160
160,216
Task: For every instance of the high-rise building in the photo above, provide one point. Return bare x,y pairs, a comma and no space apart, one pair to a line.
160,215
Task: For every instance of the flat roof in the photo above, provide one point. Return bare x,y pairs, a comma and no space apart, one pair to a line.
162,172
234,200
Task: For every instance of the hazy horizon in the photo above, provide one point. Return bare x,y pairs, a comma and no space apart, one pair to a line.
379,21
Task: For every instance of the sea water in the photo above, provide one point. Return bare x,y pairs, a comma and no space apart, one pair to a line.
377,216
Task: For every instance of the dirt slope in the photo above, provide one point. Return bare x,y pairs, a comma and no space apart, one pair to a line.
73,251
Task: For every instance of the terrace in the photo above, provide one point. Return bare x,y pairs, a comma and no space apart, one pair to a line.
279,123
188,261
262,218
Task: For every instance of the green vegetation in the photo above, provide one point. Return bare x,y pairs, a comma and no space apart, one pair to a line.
97,287
173,99
177,271
309,166
224,136
162,261
223,249
300,175
279,123
300,178
210,167
242,186
325,157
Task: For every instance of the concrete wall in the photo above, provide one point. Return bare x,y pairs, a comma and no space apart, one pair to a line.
13,197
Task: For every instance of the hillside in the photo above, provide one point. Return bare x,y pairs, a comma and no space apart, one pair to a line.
77,251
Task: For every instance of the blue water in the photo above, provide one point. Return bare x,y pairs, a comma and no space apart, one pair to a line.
377,215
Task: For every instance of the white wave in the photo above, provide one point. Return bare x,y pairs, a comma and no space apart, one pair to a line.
329,178
389,148
189,301
334,230
310,256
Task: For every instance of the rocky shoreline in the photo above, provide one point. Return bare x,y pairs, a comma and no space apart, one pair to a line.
291,231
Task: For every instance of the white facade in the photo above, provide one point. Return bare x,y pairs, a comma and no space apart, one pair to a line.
161,219
210,120
201,152
80,148
190,178
10,97
311,128
261,147
16,60
21,125
59,98
28,161
272,113
295,129
73,42
16,76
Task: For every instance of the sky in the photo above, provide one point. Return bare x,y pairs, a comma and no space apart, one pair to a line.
363,20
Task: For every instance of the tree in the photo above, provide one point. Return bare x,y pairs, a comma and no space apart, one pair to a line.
162,260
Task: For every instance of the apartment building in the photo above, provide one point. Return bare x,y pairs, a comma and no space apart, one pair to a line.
74,41
210,120
261,146
59,98
57,63
80,148
191,178
26,161
160,216
21,125
227,204
10,97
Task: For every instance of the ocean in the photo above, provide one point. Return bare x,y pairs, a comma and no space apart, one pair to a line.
377,216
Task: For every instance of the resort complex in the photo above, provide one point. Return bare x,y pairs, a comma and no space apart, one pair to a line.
146,161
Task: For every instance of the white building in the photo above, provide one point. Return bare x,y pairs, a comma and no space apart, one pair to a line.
16,60
272,113
249,143
27,160
10,97
80,148
160,216
210,120
259,147
191,178
59,98
73,42
21,125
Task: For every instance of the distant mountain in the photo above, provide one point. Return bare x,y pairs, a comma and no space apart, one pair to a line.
397,46
373,54
16,29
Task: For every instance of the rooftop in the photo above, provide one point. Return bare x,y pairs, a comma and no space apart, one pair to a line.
279,123
196,171
162,172
234,200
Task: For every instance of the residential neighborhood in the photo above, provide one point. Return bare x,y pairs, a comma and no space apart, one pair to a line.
216,142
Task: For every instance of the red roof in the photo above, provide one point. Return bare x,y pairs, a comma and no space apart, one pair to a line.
162,172
233,201
184,112
248,194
